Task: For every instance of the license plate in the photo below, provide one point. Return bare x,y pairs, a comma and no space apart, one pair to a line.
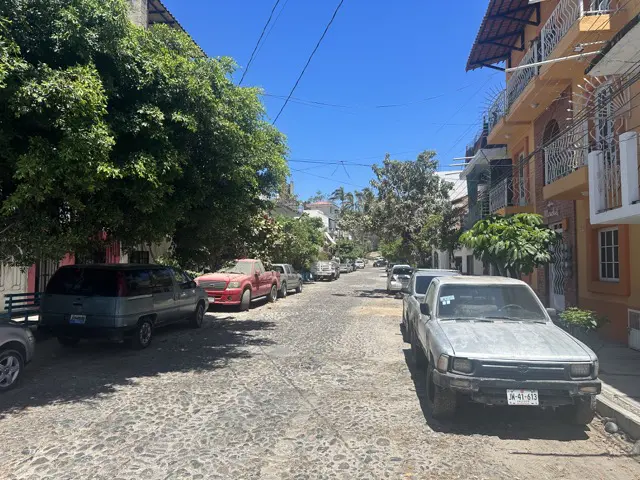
77,319
522,397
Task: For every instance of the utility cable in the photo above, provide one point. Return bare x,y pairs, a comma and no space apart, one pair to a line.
253,54
335,13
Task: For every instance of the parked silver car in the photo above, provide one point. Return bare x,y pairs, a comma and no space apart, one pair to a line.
119,301
398,277
414,294
491,340
289,279
17,346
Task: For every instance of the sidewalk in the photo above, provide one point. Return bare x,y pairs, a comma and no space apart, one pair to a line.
620,375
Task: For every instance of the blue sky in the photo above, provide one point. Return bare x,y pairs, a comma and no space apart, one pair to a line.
376,53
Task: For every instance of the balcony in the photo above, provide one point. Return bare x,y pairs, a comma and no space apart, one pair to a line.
614,190
477,212
564,177
505,198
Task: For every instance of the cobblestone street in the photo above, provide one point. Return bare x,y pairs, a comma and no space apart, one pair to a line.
317,385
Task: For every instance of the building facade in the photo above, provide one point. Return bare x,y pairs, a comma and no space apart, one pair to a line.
567,121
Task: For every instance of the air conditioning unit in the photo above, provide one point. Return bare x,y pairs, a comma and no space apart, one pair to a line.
634,329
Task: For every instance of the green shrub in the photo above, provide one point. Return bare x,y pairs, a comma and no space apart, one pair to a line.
587,319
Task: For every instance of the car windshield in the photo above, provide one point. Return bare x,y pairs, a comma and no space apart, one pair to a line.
505,302
403,271
422,283
237,267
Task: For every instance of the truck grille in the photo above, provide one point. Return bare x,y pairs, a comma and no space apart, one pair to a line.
214,285
521,371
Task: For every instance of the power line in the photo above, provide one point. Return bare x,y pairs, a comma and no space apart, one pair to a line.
327,178
253,54
335,13
266,37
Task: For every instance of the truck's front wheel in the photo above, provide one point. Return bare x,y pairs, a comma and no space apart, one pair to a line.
580,413
441,402
245,301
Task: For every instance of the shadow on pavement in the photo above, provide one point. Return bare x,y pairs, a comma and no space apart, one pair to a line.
507,423
373,293
95,369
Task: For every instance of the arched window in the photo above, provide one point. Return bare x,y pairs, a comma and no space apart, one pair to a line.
551,131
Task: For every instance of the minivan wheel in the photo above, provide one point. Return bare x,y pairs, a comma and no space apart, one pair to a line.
11,365
198,316
68,341
143,334
283,290
245,301
273,295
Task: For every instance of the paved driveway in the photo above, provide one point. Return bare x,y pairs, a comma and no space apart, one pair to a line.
315,386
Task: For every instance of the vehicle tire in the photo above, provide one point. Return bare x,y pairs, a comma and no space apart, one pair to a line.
283,290
197,318
143,334
245,301
273,294
299,287
417,355
68,341
441,402
580,413
11,366
403,328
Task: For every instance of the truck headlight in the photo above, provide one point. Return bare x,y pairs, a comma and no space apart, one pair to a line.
462,365
443,363
234,285
580,370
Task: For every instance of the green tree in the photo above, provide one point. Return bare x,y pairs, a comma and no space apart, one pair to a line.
302,241
514,245
412,206
349,249
109,127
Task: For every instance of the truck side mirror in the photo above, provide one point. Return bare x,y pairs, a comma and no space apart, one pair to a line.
424,309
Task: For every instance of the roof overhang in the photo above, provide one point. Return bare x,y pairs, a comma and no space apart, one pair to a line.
501,31
482,158
157,13
620,52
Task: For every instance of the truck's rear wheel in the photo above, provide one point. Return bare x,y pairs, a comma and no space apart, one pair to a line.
299,287
245,301
441,402
283,290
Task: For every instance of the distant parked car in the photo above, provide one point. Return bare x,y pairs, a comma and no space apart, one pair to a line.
289,278
414,296
359,263
381,262
119,301
346,268
16,350
240,282
491,341
398,278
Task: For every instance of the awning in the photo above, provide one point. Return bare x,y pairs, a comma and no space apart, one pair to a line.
501,31
482,158
619,53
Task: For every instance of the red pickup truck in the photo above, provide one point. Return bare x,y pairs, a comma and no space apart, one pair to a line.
240,282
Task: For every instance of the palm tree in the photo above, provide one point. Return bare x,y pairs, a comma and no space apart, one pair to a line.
338,194
348,202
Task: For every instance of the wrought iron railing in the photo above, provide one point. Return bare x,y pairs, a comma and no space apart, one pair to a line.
496,111
609,185
520,78
565,154
500,195
477,212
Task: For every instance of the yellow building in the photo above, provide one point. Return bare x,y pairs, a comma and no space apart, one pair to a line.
568,123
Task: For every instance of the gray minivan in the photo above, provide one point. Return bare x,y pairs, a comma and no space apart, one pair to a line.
119,301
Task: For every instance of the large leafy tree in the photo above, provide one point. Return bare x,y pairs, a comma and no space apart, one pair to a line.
413,207
301,243
109,127
515,245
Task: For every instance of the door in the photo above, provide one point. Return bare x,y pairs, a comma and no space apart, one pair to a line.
165,302
420,320
186,293
634,329
556,275
263,288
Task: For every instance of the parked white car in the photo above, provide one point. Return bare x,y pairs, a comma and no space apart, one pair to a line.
399,277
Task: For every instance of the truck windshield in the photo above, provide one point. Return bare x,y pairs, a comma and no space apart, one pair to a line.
279,268
243,268
507,302
422,283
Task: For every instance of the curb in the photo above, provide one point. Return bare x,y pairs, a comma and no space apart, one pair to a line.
628,421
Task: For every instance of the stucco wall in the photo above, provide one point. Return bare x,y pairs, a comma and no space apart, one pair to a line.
139,12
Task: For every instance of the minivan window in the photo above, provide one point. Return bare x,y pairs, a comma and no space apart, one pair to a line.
162,281
85,282
139,282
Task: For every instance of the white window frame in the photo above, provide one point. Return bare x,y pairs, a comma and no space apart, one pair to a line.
602,261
